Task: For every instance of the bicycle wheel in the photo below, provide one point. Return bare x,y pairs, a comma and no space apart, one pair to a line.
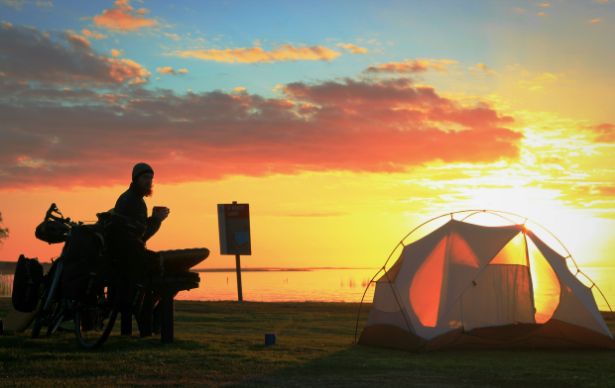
94,319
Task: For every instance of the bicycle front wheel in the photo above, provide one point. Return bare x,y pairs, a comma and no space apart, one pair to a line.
94,320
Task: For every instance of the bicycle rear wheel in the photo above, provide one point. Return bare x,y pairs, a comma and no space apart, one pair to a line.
94,319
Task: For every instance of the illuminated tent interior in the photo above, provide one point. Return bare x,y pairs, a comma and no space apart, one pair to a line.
468,285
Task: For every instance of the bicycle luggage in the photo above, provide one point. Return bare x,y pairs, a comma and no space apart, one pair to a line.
27,284
83,258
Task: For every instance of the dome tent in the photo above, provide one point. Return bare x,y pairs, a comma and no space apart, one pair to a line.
466,285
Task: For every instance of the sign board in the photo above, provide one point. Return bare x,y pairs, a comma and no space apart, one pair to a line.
234,229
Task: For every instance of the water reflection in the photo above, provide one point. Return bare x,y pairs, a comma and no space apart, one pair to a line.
321,285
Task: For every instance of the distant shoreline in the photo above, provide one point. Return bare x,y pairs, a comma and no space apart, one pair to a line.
276,269
8,267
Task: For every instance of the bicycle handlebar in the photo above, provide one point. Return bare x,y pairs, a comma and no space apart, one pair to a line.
53,208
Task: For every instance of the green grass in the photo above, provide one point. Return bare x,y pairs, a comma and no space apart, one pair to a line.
222,343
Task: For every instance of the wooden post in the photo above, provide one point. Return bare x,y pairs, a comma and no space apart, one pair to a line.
145,320
166,324
238,269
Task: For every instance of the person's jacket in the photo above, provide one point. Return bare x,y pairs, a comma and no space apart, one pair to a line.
132,207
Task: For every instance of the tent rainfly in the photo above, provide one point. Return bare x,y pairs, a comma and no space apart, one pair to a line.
466,285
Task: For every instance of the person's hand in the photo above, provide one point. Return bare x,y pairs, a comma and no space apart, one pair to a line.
160,213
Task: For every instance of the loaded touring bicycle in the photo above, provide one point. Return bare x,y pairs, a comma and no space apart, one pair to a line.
87,285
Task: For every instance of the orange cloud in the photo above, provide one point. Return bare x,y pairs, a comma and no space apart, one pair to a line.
604,132
354,49
257,54
165,70
412,66
92,34
170,70
69,59
544,5
126,70
607,191
539,81
595,21
74,38
351,125
482,68
116,53
123,18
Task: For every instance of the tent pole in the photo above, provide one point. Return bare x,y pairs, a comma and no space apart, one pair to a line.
356,328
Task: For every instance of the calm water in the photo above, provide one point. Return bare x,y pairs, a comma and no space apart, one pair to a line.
325,285
322,285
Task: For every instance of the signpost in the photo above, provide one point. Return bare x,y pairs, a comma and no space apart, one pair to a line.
234,230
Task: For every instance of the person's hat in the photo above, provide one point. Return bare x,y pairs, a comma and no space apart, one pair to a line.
140,169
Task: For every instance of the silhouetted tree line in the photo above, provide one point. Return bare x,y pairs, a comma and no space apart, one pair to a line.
4,232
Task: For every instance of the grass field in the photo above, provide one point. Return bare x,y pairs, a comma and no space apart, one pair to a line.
222,343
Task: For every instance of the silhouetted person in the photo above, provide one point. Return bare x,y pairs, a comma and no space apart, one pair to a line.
132,229
132,206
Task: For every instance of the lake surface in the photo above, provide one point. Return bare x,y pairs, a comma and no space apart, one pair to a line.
323,285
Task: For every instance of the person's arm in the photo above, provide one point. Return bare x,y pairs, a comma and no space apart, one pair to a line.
159,214
153,224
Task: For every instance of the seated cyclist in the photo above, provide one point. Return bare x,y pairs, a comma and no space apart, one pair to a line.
128,242
128,239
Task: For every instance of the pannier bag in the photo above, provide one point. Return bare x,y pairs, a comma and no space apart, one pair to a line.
83,256
27,284
52,231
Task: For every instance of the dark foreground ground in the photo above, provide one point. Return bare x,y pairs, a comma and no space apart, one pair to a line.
222,343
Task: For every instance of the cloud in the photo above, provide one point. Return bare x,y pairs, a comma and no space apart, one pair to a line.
43,4
87,137
116,53
608,191
412,66
315,214
60,58
15,4
605,132
482,68
595,21
123,18
92,34
170,70
544,5
77,39
352,48
19,4
283,53
539,81
172,36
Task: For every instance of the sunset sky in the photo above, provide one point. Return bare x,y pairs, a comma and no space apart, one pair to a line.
343,124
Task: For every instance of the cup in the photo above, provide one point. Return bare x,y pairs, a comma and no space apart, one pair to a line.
269,339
